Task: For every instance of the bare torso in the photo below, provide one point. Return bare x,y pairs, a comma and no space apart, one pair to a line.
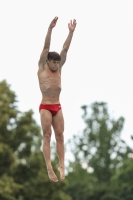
50,85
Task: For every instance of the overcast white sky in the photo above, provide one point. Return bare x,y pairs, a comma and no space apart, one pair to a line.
99,63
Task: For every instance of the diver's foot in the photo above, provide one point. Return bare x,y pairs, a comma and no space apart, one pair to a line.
52,175
61,170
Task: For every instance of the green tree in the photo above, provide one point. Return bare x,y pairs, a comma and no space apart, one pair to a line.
100,150
123,181
8,114
101,146
23,174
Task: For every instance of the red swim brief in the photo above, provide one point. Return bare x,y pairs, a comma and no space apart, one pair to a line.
53,108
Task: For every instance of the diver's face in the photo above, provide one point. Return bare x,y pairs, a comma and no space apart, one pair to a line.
53,65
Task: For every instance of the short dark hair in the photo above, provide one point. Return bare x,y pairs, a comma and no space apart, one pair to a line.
53,56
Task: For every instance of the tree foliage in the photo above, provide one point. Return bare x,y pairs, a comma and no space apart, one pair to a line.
101,151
